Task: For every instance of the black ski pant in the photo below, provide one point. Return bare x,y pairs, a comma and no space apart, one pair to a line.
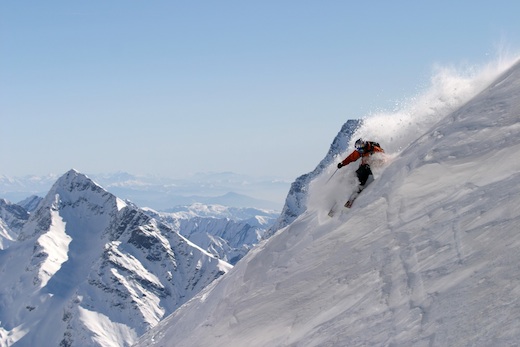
362,173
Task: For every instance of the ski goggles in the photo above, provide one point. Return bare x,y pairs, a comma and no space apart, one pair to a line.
360,148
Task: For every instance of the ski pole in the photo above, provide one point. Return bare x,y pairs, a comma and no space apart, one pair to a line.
332,175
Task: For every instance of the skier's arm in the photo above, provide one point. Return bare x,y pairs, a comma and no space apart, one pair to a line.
352,157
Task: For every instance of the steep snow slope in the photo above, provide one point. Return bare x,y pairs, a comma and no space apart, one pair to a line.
90,270
449,90
428,256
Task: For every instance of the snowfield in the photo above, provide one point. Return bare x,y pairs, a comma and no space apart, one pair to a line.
428,255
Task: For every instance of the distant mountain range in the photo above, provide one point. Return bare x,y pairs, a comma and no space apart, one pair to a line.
159,193
227,232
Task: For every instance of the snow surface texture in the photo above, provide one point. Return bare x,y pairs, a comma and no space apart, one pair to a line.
427,256
89,270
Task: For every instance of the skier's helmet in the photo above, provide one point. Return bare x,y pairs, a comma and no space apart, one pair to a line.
360,145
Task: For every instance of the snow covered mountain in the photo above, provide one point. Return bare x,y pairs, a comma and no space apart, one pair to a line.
12,219
31,203
428,255
232,240
226,232
90,270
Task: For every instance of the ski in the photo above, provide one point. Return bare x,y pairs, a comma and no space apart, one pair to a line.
352,198
348,204
331,212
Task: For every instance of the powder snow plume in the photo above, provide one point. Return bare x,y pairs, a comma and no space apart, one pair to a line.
449,89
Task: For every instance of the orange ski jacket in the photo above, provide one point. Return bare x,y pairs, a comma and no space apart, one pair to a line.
369,150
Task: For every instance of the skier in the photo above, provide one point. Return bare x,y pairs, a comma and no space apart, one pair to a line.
364,149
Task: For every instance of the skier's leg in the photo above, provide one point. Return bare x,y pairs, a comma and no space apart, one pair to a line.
363,172
370,179
365,176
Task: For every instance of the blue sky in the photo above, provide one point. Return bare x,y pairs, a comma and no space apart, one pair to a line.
255,87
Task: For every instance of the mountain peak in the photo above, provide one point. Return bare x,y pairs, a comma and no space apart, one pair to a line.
74,175
74,185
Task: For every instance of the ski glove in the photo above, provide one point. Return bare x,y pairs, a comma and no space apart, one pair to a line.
340,165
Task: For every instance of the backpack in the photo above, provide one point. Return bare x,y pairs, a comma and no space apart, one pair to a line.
372,144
